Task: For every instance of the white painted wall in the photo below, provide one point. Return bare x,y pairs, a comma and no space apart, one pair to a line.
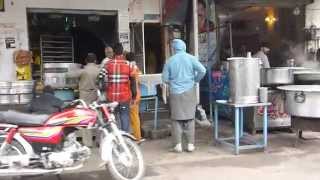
15,12
151,6
313,14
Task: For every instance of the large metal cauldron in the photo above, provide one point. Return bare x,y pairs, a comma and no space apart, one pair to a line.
244,74
302,100
277,76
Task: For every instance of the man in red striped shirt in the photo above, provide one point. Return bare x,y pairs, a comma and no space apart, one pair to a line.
120,84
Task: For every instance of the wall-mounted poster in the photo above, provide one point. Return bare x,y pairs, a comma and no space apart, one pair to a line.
174,12
1,5
207,34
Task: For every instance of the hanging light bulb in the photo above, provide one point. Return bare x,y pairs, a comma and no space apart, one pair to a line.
296,11
270,19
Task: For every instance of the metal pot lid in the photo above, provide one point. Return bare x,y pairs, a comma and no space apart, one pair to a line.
299,68
305,88
241,58
307,72
293,68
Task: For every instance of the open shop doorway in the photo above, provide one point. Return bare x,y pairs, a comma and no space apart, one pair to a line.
80,32
154,55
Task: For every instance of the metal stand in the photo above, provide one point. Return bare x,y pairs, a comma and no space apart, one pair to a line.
239,134
156,107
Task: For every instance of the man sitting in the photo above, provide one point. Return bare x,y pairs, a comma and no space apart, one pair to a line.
46,103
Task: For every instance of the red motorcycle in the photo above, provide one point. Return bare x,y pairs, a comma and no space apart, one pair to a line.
40,144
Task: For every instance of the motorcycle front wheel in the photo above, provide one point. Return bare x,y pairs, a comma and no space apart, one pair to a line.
133,170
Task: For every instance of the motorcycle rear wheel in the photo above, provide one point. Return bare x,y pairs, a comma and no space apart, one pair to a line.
121,172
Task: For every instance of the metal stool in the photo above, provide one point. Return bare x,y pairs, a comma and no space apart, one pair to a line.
146,95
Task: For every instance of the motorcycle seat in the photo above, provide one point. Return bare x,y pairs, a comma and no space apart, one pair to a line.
23,119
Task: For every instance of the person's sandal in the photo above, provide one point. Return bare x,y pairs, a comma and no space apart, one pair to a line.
139,142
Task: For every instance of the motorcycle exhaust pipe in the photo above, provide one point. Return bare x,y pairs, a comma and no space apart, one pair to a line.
27,172
34,172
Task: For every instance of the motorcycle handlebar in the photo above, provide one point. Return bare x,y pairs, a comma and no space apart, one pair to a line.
75,102
111,105
95,104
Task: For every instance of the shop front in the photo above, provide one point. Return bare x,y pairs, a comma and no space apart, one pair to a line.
59,35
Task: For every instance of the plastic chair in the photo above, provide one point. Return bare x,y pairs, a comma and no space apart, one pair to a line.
150,93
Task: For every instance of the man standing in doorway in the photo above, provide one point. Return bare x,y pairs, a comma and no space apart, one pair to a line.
182,71
120,84
108,51
88,76
262,55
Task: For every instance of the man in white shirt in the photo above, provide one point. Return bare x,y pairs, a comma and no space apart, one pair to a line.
262,55
108,51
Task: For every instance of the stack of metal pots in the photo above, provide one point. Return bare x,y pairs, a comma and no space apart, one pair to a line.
17,92
244,74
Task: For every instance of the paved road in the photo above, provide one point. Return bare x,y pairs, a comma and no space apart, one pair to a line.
280,161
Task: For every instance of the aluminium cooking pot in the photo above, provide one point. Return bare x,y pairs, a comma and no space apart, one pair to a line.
277,76
302,100
244,80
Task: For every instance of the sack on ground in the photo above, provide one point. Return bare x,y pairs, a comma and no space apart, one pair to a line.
201,117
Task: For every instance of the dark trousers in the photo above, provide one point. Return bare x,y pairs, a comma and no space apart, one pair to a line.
122,112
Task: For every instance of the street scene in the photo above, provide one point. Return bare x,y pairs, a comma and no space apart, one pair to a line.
159,89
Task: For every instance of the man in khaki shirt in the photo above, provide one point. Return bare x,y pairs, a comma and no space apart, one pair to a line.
88,76
87,88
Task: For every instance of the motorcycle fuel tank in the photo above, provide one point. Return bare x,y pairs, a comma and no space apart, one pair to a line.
72,117
47,135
